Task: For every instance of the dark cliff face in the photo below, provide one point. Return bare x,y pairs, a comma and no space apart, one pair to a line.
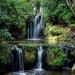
15,60
70,56
29,25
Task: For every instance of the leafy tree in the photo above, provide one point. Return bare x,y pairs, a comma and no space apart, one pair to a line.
4,20
16,12
57,11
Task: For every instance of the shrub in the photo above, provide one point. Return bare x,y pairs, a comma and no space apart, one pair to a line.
4,54
5,35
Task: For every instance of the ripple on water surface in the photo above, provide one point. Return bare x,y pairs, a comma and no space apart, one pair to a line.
42,72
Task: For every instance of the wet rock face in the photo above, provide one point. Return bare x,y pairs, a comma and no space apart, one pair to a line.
15,60
70,55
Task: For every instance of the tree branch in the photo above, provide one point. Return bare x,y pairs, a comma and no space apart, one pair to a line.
70,4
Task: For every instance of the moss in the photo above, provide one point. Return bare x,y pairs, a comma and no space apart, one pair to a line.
56,31
29,55
55,57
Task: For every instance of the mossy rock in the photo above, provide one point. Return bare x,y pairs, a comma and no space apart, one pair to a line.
56,31
54,57
30,57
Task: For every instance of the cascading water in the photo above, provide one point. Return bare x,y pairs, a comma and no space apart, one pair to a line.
34,32
17,61
39,61
37,26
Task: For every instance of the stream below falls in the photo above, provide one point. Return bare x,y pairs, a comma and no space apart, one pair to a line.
36,72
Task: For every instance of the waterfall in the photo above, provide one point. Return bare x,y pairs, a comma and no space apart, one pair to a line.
35,30
17,59
39,60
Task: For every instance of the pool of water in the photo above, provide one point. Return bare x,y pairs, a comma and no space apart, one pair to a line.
41,72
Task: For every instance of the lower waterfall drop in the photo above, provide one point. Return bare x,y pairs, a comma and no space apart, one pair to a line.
17,61
39,59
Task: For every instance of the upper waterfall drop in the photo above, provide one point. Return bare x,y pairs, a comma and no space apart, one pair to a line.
34,30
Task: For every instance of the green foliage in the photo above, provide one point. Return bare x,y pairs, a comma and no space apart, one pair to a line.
55,56
16,12
4,20
4,17
19,11
4,54
36,3
63,13
57,8
5,35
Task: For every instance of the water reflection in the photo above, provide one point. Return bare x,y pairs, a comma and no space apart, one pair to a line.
66,72
35,72
17,73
